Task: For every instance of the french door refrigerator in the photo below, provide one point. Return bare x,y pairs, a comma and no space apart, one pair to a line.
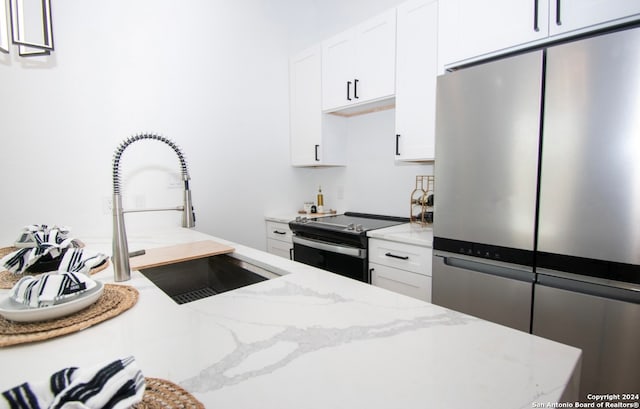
538,204
487,143
587,292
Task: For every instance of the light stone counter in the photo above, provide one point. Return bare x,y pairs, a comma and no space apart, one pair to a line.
410,233
287,217
309,339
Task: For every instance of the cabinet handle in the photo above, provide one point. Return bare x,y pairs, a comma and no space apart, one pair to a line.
536,28
395,256
280,232
291,253
317,159
348,90
355,88
558,19
370,278
397,144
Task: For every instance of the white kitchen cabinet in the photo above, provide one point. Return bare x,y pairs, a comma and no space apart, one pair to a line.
316,139
358,65
279,241
572,15
401,267
401,281
416,73
470,29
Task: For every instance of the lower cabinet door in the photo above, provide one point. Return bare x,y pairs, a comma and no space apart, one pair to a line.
279,248
401,281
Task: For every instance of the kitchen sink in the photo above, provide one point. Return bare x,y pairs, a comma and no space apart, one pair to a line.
193,280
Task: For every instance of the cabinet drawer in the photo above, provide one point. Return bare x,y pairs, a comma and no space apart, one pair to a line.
407,257
279,248
402,282
279,231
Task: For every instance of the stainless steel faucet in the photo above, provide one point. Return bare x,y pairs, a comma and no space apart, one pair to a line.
120,256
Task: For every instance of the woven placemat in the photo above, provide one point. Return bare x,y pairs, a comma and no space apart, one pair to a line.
162,394
115,300
6,250
9,279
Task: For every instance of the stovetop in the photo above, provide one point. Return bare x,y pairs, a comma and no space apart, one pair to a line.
351,222
348,228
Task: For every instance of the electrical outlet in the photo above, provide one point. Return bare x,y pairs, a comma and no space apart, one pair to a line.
175,181
107,205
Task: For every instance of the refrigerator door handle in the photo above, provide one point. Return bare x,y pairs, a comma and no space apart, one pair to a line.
589,285
485,266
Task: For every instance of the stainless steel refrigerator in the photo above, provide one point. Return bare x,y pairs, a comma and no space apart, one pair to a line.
487,144
538,204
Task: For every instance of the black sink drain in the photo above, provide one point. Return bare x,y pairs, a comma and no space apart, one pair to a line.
194,295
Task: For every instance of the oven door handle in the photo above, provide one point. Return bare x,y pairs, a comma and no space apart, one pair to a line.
334,248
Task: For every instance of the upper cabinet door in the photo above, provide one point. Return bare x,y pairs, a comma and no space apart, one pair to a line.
471,30
358,65
470,27
316,139
417,70
571,15
304,106
338,69
376,58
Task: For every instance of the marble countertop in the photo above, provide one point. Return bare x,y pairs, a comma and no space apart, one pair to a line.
410,233
287,217
308,339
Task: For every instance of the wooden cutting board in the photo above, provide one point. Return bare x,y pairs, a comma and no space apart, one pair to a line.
161,256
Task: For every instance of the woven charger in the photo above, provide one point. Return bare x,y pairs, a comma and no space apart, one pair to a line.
161,394
9,279
114,300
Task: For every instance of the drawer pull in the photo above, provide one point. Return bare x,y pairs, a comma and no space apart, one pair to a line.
280,232
396,256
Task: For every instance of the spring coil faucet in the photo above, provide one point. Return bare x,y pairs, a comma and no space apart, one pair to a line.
120,257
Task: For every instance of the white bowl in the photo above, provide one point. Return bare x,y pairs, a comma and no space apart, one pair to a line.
15,311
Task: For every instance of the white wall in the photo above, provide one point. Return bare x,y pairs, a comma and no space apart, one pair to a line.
211,75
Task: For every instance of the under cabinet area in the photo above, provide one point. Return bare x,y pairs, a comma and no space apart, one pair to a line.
401,267
358,65
279,241
471,30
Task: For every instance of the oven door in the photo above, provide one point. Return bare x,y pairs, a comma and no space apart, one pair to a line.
347,261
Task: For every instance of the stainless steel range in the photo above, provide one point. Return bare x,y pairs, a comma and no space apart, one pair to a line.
338,243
